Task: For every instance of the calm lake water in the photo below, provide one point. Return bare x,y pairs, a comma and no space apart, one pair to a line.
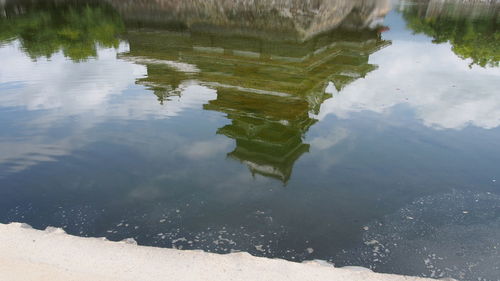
358,132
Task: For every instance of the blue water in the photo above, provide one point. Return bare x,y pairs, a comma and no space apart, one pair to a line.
372,142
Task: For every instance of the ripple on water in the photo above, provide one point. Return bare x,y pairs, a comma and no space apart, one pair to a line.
449,235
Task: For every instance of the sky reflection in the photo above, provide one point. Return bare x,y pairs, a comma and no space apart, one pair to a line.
324,129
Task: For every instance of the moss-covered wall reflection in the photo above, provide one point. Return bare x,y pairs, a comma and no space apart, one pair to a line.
76,28
472,28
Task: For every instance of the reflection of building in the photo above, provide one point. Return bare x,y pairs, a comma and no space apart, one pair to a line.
267,85
268,130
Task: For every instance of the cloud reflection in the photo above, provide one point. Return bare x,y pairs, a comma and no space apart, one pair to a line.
58,90
443,91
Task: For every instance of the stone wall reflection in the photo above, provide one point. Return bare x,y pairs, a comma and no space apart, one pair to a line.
302,18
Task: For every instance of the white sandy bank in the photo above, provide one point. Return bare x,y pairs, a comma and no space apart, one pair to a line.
29,254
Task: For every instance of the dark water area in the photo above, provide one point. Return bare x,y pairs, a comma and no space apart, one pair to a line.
358,132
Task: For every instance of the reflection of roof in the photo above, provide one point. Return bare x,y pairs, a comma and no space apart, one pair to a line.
263,164
268,130
300,69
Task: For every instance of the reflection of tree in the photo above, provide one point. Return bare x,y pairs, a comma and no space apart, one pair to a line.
163,81
473,29
46,27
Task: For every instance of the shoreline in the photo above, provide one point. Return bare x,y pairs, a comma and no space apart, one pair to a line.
51,254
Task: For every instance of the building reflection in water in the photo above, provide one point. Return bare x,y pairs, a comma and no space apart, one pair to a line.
270,61
270,71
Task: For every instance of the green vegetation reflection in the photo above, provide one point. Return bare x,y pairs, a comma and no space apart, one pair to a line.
472,28
47,27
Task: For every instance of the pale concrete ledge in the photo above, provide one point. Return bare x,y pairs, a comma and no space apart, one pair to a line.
29,254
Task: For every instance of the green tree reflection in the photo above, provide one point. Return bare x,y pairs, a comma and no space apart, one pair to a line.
473,30
46,27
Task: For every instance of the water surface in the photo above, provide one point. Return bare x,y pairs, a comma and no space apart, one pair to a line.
358,132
